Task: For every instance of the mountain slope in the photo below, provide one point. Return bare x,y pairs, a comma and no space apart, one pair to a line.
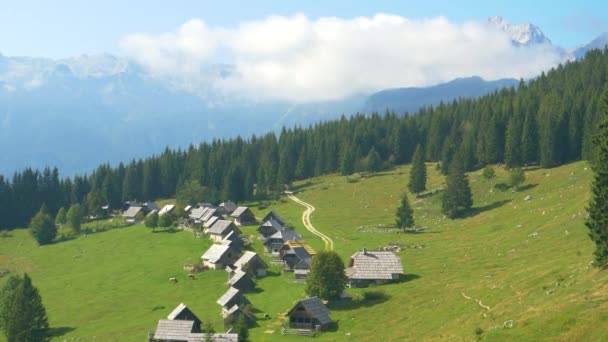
598,43
411,99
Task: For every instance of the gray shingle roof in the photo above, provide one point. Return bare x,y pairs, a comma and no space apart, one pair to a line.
318,310
286,235
374,265
210,222
215,253
209,213
131,212
166,209
181,307
229,206
168,330
197,213
246,258
227,297
239,211
273,214
220,227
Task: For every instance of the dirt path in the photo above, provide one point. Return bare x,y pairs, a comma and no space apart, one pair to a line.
329,244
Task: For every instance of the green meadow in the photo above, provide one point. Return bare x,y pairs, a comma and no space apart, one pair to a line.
513,269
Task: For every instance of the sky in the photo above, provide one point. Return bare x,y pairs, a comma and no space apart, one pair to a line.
64,28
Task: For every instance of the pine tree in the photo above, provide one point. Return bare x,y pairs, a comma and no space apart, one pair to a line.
347,166
43,227
22,313
417,182
512,144
529,140
151,220
74,217
326,279
60,218
374,163
457,197
405,214
597,222
517,177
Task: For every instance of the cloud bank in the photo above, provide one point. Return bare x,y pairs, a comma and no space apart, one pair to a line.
298,59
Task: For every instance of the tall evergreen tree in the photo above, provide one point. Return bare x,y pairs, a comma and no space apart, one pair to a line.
529,140
60,218
457,197
43,227
597,221
405,214
74,217
417,182
374,163
347,166
22,313
513,142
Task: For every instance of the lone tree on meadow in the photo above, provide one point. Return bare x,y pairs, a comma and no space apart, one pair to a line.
597,222
488,173
374,163
74,217
326,279
43,227
518,177
457,197
22,315
405,214
151,220
417,182
61,216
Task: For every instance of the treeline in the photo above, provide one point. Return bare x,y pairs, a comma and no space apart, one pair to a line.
547,121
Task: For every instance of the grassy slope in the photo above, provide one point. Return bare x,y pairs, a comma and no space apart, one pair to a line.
510,254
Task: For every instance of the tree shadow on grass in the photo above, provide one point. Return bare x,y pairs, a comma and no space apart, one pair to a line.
502,186
302,186
405,278
59,331
429,193
370,298
170,231
478,210
527,187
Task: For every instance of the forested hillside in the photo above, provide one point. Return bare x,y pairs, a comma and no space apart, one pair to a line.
549,120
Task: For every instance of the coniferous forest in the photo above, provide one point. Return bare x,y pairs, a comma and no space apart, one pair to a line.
549,121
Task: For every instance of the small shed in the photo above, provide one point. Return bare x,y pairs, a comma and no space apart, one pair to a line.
241,281
269,227
233,239
233,314
130,214
166,209
221,229
183,331
183,313
275,242
377,267
230,298
227,208
210,222
251,263
243,216
217,257
309,314
296,257
273,215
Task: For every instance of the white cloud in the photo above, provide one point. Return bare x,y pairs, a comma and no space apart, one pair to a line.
299,59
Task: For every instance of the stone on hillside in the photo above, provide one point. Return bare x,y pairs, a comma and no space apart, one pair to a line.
527,198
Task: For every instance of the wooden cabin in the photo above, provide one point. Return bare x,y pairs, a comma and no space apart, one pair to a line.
221,229
252,264
377,267
217,257
243,216
309,314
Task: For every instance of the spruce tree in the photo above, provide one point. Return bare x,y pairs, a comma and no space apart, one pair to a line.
374,163
347,166
74,217
529,140
417,182
151,220
22,313
517,177
326,279
60,218
512,144
597,221
405,214
43,227
457,197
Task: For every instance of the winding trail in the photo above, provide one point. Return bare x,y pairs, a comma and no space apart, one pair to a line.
329,244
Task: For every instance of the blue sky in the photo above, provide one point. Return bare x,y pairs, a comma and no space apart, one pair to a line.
66,28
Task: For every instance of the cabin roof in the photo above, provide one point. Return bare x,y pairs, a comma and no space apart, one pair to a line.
215,253
220,227
166,209
246,258
273,214
374,265
239,211
316,307
132,211
168,330
228,296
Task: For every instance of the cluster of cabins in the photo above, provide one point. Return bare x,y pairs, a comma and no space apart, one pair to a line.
221,224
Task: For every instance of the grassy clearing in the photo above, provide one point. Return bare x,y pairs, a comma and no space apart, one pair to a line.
528,261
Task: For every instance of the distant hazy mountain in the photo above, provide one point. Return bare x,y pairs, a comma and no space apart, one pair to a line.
598,43
411,99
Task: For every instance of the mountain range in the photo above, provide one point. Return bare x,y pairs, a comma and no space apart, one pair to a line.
78,112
